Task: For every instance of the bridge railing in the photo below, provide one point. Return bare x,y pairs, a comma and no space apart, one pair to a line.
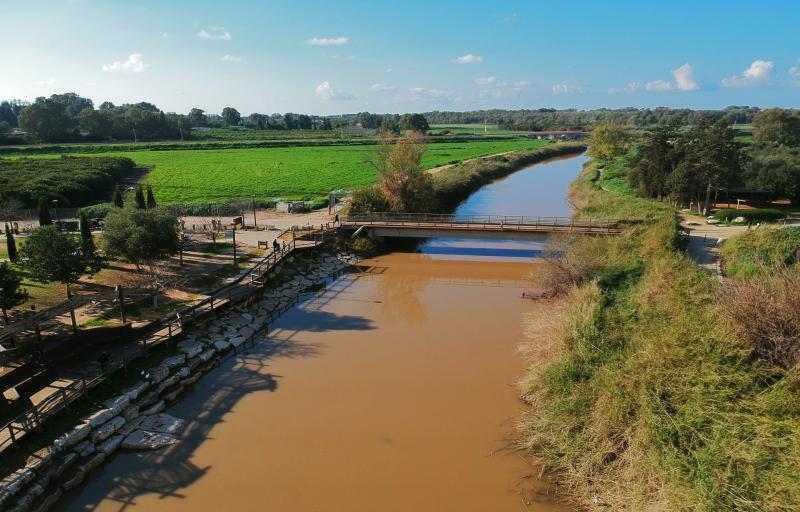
504,221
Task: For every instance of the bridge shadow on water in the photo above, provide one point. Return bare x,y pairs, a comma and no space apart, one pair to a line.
167,472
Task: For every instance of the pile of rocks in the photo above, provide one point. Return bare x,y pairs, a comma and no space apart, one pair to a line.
134,420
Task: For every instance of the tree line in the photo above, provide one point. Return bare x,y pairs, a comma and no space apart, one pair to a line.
696,163
572,119
69,117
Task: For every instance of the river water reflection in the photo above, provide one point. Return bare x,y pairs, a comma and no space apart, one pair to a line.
392,389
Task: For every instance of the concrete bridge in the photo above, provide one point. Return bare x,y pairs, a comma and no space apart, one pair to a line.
429,225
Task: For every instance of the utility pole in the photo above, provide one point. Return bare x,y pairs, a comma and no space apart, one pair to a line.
234,244
255,222
121,299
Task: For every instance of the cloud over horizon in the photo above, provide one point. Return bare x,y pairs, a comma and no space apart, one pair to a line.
215,34
759,73
231,58
134,64
325,91
468,59
328,41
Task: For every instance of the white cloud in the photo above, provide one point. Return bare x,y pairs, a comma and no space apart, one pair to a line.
231,58
49,81
562,89
759,72
468,59
684,78
326,92
328,41
215,33
420,93
491,86
794,74
389,70
134,64
684,81
381,88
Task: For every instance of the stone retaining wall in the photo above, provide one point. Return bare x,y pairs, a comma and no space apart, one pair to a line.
134,420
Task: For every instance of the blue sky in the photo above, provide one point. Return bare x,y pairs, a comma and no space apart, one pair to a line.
346,56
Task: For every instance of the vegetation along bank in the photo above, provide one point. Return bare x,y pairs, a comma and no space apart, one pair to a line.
671,391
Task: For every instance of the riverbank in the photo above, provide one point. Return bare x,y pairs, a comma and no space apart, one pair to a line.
454,184
655,401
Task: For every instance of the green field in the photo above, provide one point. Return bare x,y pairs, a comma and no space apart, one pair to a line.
206,176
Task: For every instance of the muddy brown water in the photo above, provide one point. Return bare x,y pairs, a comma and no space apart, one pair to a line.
392,389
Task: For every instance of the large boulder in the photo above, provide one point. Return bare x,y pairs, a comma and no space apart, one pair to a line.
162,423
84,448
111,444
73,437
13,483
153,409
96,419
143,440
136,390
118,404
190,348
105,431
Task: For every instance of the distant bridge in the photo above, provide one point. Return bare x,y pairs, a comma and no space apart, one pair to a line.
429,225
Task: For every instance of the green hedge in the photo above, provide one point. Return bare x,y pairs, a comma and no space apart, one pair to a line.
750,214
73,181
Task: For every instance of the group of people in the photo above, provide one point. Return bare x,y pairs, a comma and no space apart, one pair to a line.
278,246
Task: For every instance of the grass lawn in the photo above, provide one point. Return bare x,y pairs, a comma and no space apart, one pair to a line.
204,176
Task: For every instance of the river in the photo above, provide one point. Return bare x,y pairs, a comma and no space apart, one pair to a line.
392,389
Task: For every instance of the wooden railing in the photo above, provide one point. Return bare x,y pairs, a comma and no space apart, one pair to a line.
493,222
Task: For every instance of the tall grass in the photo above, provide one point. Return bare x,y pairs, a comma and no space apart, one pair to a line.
656,402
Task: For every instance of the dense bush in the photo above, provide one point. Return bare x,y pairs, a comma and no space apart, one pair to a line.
755,253
750,214
73,181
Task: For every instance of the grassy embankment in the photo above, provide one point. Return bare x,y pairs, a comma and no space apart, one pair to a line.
307,172
656,402
751,254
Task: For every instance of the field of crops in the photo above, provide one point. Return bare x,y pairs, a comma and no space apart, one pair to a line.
206,176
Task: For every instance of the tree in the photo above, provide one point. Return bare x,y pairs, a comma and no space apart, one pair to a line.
777,126
11,292
654,161
607,141
144,237
46,119
44,212
712,160
414,123
138,197
151,199
118,202
197,117
52,256
11,245
406,187
140,235
88,248
231,116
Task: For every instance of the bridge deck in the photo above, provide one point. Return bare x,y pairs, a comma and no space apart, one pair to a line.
476,224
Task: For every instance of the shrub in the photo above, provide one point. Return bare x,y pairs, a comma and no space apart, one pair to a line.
750,214
767,313
367,200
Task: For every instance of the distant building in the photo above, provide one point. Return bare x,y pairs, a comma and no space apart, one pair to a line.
558,135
